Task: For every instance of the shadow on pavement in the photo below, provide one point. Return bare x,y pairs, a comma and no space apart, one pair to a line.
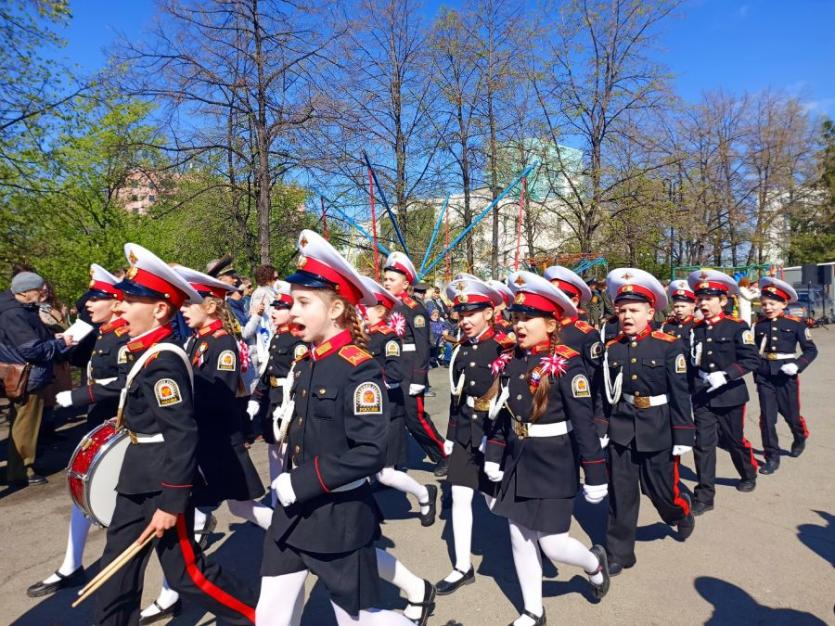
820,539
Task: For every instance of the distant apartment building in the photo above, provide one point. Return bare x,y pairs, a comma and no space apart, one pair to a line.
141,191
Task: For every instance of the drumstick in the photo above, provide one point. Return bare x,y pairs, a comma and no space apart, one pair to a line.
106,573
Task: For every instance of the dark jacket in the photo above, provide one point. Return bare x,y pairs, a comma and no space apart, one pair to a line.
780,337
24,338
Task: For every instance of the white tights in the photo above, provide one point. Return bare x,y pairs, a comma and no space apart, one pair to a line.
275,460
528,562
76,540
462,528
281,601
405,484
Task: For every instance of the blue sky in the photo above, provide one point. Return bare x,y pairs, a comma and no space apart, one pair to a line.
731,44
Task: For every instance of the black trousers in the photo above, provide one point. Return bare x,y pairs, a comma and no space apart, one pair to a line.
779,393
656,473
421,427
185,568
723,426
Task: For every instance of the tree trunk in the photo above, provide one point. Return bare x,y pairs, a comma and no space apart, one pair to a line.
261,132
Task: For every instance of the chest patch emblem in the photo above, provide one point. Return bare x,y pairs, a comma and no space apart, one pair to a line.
748,337
420,321
299,351
368,399
807,333
681,365
167,392
227,361
580,386
392,348
122,356
596,350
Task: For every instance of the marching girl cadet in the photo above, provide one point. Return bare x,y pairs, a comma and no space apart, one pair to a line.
680,323
469,424
384,345
155,482
777,377
500,321
547,428
272,390
328,520
106,373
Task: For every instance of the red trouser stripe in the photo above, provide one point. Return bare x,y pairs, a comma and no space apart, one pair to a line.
747,444
427,428
799,416
204,584
680,502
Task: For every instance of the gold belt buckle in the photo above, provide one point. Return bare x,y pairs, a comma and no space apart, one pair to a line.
481,405
521,429
273,381
132,436
642,402
771,356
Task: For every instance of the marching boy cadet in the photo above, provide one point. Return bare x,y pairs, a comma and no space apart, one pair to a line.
722,352
681,321
650,422
778,384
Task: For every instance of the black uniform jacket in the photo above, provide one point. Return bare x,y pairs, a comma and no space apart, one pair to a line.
109,360
585,339
680,329
285,347
160,401
336,437
727,345
781,336
384,345
415,332
467,425
653,363
546,467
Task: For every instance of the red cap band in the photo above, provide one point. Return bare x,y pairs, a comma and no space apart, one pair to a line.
569,288
106,288
643,291
154,282
202,289
344,287
403,270
540,303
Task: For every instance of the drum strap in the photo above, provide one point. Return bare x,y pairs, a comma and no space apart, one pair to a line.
140,363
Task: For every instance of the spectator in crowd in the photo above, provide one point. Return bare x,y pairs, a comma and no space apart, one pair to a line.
437,326
54,315
745,300
436,302
262,297
24,338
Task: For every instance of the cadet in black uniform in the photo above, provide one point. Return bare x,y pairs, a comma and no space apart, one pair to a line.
650,421
411,322
272,389
544,434
582,337
328,520
777,377
680,323
154,486
722,352
384,345
472,388
106,372
501,318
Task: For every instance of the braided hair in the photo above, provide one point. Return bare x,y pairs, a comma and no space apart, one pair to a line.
540,396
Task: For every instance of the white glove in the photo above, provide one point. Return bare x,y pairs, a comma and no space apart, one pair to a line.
63,398
415,390
494,474
284,489
604,441
681,450
252,408
448,445
482,445
497,403
790,369
716,380
595,493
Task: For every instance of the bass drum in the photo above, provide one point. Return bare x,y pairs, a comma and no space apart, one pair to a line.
94,470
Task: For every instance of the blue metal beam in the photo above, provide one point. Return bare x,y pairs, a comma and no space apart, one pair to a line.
359,228
386,204
434,234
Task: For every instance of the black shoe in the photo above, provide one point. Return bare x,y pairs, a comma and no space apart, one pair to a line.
539,620
36,479
445,588
602,589
746,485
429,518
616,568
40,588
171,611
798,446
687,524
440,468
770,466
203,533
428,604
701,507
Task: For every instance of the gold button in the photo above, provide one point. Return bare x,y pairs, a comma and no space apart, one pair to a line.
519,397
475,347
472,382
637,394
521,377
709,339
712,365
322,391
710,351
472,363
634,377
633,360
634,344
304,392
297,449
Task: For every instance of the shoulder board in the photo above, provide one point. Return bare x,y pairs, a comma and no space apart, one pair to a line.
614,340
219,333
122,330
354,354
663,336
699,322
583,327
385,330
565,352
505,341
409,302
304,354
793,318
733,319
151,359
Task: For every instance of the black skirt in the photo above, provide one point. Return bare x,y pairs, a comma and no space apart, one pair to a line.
396,451
466,469
548,515
351,578
228,474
